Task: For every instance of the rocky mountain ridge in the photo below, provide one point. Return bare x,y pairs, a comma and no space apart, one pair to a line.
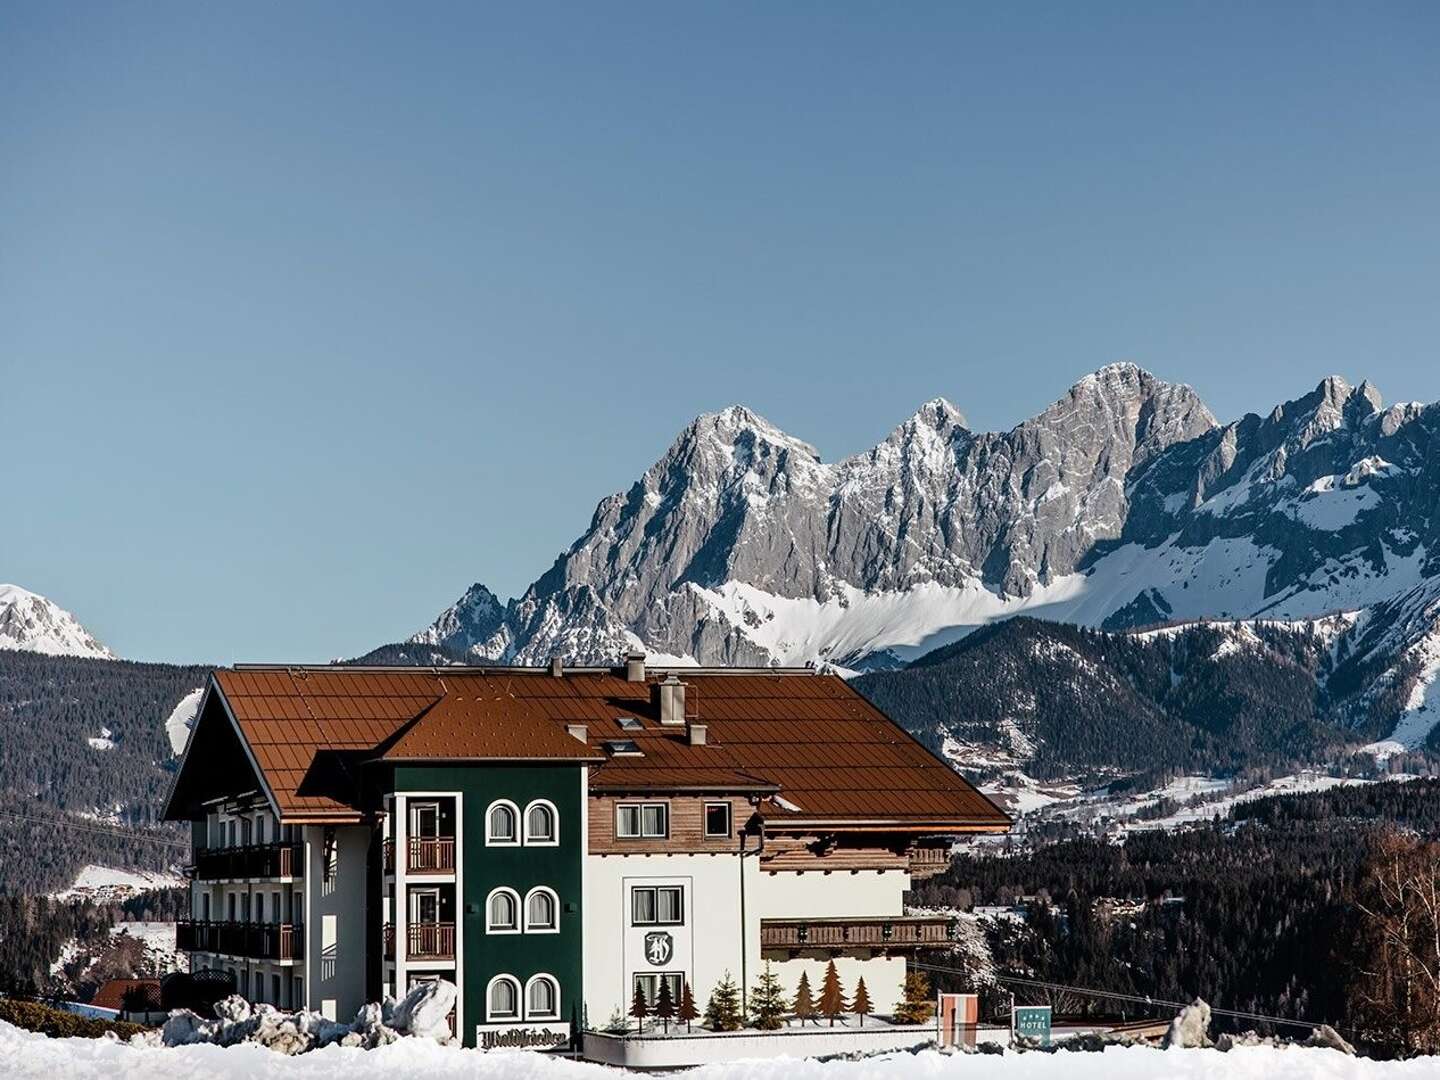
1124,504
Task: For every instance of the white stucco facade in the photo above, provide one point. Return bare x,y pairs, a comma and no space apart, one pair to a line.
335,920
709,943
814,894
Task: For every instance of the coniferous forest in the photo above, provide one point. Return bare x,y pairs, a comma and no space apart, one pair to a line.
1255,912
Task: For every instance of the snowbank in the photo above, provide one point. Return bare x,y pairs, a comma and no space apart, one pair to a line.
27,1056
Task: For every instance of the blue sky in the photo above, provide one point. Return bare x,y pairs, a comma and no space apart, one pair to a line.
312,314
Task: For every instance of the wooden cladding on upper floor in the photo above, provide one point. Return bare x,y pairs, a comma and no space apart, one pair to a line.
623,824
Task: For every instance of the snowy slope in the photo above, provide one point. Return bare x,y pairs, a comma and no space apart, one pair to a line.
182,718
32,623
29,1055
109,883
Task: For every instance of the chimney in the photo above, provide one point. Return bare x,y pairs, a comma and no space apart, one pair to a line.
557,666
697,732
579,731
635,667
672,700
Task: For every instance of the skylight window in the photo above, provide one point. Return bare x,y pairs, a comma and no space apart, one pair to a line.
629,723
623,748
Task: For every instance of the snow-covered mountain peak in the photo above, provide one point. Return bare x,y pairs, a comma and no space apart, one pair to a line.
31,623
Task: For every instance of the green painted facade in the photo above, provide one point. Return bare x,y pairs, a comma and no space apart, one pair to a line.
521,868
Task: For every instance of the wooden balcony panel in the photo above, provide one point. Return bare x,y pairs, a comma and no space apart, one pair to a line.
431,855
258,941
876,933
430,941
255,861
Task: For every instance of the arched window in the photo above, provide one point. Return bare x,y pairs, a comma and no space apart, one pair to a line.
542,911
542,998
542,823
502,999
502,823
502,912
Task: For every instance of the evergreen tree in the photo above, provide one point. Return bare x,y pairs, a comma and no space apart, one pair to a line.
767,1001
665,1004
861,1005
804,1005
915,1005
687,1012
832,995
639,1008
723,1011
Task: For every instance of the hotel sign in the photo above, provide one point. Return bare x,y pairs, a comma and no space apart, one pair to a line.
539,1036
1031,1022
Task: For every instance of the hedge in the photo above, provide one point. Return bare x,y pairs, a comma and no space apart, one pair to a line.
59,1024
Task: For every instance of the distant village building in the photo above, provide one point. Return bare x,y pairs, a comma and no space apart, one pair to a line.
553,840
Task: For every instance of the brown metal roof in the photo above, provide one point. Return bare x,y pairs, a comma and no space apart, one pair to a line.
831,754
483,722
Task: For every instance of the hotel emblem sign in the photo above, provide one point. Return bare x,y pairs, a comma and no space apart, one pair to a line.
659,948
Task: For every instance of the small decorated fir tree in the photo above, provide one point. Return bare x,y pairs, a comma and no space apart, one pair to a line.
617,1024
665,1004
723,1012
767,1001
915,1006
639,1008
804,1005
832,995
687,1011
861,1005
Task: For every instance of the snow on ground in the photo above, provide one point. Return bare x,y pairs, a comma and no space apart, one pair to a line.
108,883
178,723
102,741
28,1056
1017,793
1284,785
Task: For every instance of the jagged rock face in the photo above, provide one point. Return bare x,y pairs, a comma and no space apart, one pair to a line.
1123,504
31,623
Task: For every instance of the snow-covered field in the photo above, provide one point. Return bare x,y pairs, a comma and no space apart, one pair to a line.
24,1055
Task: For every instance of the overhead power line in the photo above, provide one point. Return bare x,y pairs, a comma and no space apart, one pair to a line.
96,828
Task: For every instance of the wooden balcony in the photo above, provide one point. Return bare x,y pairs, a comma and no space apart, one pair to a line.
424,855
899,932
430,941
431,855
253,861
258,941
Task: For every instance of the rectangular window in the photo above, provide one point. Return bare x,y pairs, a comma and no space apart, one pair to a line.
657,905
717,820
275,912
642,821
649,985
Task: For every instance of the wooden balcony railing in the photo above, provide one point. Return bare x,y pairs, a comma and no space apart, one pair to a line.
899,932
259,941
251,861
430,941
431,855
